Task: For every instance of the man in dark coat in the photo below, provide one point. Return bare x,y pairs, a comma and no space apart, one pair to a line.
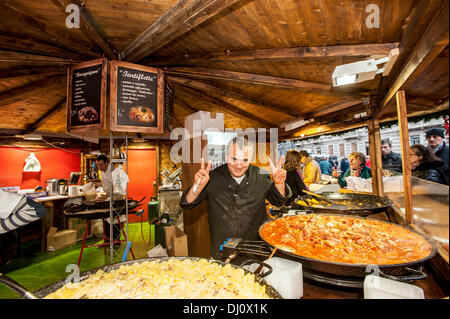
391,161
235,194
435,138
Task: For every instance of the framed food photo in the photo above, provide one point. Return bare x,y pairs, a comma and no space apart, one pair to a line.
137,98
86,96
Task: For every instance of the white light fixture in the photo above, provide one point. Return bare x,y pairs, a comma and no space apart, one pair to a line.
295,124
32,137
361,71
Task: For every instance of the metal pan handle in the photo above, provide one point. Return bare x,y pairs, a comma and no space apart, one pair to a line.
16,287
415,275
261,264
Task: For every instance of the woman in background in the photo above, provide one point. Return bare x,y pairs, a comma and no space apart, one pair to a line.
426,165
357,168
293,175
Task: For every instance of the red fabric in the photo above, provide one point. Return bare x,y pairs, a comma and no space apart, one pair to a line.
55,163
368,163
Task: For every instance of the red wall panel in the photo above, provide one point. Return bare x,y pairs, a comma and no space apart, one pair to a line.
142,174
55,163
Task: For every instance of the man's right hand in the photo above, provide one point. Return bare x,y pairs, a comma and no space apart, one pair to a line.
202,175
202,178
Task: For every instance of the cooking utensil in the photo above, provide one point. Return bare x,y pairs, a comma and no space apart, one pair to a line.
194,189
370,204
41,293
317,195
401,272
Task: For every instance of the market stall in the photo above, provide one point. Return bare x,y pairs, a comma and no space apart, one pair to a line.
145,82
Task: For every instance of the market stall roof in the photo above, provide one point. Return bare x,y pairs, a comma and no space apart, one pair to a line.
263,63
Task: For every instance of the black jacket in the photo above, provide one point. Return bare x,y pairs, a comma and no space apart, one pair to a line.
432,171
295,183
392,162
236,210
443,154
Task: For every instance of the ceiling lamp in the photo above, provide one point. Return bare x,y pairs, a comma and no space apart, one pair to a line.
32,137
288,126
361,71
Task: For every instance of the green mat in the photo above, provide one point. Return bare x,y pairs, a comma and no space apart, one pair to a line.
45,268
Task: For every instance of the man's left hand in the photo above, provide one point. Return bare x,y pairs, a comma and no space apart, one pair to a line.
278,173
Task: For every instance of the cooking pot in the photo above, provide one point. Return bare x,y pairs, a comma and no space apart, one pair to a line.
403,272
346,203
53,186
41,293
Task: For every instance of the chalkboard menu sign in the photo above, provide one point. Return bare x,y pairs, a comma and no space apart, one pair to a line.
86,96
137,99
168,106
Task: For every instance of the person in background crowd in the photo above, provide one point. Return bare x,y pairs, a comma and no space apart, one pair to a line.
391,161
293,174
311,169
368,161
325,166
426,165
435,138
345,165
357,168
332,163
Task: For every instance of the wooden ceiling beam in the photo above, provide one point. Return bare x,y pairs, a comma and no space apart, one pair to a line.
90,28
28,27
33,59
434,40
178,20
222,92
227,107
259,79
30,71
41,120
281,54
31,89
19,43
338,106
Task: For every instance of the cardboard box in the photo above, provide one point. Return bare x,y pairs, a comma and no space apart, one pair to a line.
176,241
79,225
57,240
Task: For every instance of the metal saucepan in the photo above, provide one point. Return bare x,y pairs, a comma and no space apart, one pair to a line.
348,203
402,272
41,293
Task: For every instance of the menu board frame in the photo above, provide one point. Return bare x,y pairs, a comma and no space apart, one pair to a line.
114,125
103,92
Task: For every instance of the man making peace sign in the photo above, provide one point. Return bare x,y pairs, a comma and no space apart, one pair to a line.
235,194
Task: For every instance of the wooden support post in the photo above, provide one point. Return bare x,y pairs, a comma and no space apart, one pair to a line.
195,220
375,157
406,164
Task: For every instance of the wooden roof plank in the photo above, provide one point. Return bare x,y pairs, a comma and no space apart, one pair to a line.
25,91
33,59
37,30
95,33
30,71
227,107
259,79
35,125
297,53
184,16
235,96
433,41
